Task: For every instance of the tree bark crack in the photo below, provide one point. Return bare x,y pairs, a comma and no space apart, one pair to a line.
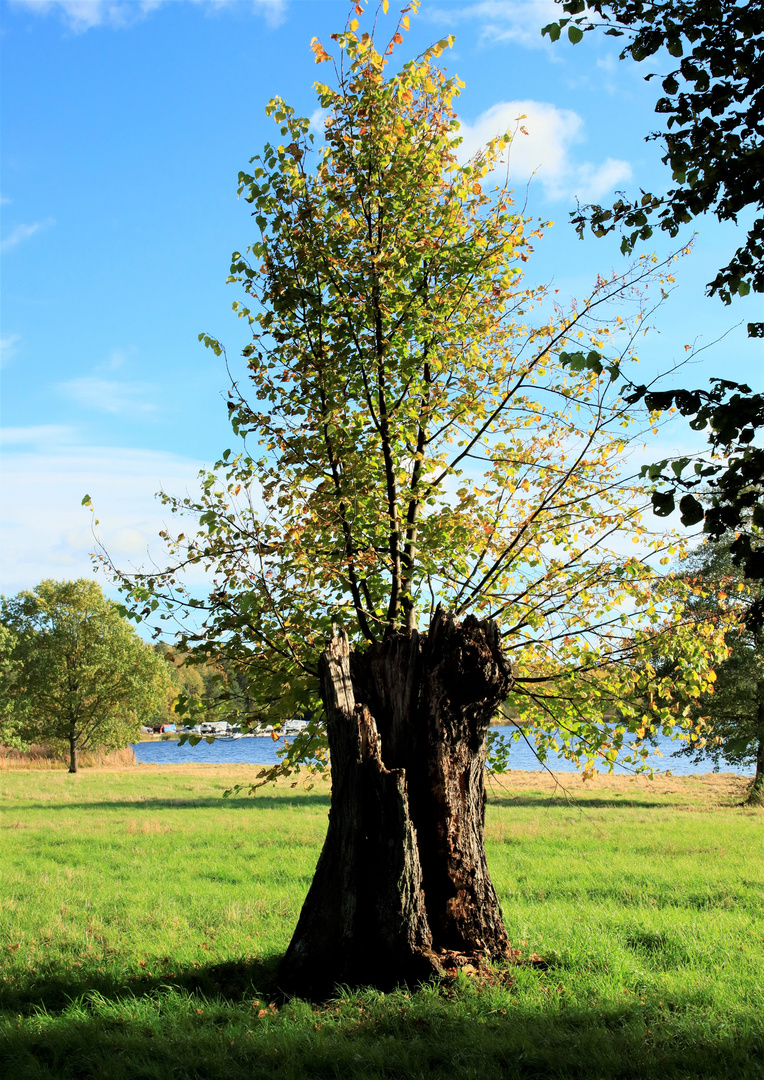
402,877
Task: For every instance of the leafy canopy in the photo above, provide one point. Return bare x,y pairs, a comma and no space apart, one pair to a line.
422,426
713,103
728,718
725,489
73,668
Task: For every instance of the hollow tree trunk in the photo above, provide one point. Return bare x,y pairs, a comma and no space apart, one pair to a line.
402,876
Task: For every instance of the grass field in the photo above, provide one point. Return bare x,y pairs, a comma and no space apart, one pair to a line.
142,918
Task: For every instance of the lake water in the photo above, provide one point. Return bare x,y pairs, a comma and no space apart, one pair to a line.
263,751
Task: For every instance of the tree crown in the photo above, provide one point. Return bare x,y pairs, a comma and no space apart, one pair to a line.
75,666
422,427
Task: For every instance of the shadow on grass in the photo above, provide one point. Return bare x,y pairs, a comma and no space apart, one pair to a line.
256,802
55,990
217,1032
582,802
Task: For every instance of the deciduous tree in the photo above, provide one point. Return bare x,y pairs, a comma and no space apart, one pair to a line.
75,672
728,717
725,488
433,482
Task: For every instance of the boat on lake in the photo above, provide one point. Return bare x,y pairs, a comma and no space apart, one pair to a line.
222,730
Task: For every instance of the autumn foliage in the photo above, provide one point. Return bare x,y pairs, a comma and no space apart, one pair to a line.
423,425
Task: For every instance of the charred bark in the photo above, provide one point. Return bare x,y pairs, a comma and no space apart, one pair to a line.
402,876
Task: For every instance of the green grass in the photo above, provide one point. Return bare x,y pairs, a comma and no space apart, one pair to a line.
142,918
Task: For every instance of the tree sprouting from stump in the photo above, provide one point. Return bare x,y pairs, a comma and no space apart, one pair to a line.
431,510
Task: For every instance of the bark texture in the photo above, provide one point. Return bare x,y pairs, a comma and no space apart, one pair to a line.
402,876
755,796
73,754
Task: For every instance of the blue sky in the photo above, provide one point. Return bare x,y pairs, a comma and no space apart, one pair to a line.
125,123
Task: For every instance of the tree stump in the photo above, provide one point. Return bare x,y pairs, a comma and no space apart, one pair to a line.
402,877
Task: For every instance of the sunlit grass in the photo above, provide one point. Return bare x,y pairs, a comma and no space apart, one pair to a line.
143,917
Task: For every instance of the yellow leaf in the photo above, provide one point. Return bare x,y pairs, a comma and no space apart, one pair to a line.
405,22
385,5
354,24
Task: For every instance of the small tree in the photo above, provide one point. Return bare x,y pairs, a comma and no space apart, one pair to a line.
75,670
434,483
728,716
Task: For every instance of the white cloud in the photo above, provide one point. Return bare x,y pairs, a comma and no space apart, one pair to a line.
46,532
516,21
8,347
594,181
114,361
273,11
111,396
82,15
4,200
318,121
22,232
545,151
45,434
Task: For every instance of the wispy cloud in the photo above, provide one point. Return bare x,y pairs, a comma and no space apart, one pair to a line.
544,137
21,233
318,121
83,15
4,200
516,21
116,359
273,11
45,532
8,347
37,435
129,399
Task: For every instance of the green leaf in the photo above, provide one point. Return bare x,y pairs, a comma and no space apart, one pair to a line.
670,85
578,362
691,510
663,503
679,466
575,34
